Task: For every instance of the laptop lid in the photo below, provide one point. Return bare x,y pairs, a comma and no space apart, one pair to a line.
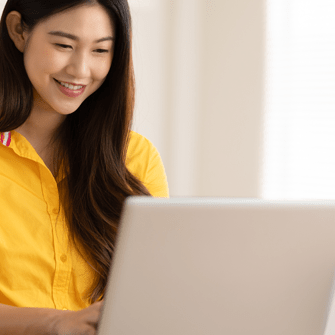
221,266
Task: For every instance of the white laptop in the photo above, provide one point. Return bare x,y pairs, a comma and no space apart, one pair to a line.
196,266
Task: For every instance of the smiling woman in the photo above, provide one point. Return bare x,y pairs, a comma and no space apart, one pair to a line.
77,62
68,158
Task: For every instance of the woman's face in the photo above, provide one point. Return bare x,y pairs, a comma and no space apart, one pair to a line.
74,47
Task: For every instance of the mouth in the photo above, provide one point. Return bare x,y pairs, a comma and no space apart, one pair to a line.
70,90
71,86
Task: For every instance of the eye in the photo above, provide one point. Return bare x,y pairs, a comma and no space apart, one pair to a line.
101,51
64,46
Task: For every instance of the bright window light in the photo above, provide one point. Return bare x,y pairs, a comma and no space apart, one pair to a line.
299,127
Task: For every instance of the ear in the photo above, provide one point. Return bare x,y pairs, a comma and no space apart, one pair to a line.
15,30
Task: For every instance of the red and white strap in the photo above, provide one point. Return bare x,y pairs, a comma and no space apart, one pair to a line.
5,138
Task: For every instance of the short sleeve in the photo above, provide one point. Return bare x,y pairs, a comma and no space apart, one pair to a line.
144,162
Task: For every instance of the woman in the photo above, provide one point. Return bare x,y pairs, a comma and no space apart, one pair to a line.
68,159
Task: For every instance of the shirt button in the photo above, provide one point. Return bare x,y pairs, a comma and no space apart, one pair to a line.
55,211
64,309
63,258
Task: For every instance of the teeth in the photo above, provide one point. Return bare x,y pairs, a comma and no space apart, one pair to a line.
71,87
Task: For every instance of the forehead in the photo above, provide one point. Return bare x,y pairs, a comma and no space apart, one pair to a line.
86,21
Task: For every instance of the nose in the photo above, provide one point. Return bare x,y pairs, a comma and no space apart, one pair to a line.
78,66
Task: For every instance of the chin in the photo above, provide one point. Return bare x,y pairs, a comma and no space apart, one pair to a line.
65,111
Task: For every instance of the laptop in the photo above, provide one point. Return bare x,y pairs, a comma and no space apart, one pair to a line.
196,266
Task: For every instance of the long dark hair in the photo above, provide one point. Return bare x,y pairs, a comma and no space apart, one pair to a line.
92,141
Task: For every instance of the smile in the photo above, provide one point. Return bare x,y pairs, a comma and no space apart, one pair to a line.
70,90
70,86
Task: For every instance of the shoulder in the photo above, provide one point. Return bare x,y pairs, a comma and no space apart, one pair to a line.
144,161
138,143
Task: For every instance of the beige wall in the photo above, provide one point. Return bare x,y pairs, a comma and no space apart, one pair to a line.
202,106
232,91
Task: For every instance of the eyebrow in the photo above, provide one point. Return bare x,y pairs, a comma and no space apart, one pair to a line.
76,38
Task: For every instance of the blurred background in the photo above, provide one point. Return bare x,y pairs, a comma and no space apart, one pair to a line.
238,96
200,69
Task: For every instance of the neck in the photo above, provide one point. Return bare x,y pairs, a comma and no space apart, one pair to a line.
39,129
41,126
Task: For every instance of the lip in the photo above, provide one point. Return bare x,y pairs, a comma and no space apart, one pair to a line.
68,92
66,82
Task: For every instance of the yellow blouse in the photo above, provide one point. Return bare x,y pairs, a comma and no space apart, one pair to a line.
38,268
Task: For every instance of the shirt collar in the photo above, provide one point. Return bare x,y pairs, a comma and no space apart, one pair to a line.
20,145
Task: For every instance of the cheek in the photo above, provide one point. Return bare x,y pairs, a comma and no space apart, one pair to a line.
52,61
102,69
42,62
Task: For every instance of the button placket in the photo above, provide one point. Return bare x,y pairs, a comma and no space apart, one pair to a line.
63,265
